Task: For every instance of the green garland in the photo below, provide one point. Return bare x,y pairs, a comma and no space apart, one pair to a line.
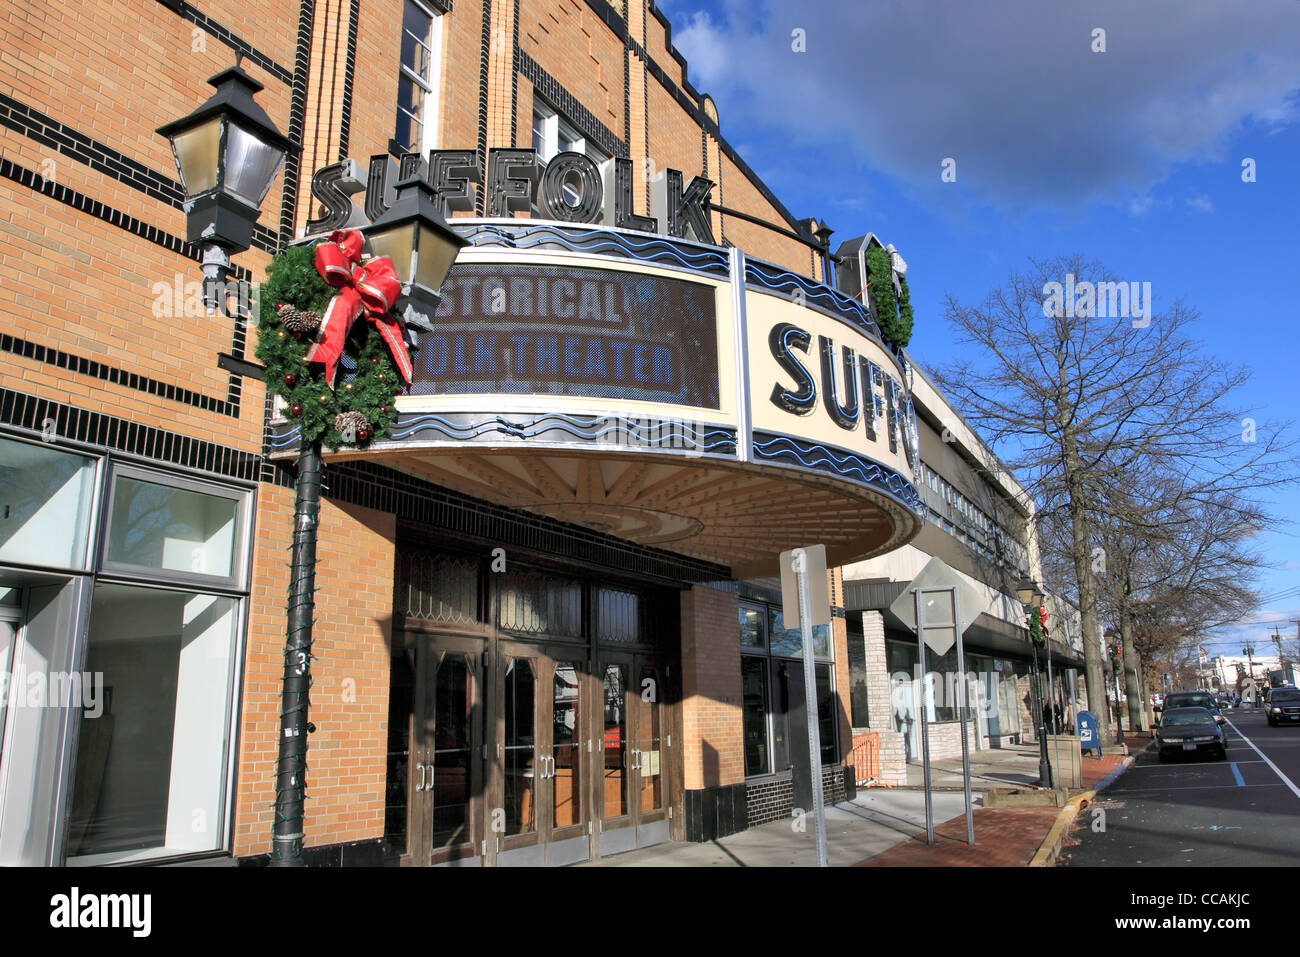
292,279
894,317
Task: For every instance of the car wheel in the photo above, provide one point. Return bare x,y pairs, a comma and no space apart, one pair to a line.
1223,753
1163,757
1272,723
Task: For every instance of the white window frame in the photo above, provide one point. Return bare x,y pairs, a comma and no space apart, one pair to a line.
556,127
429,84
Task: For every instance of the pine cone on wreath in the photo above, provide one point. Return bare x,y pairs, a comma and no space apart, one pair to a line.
298,321
351,425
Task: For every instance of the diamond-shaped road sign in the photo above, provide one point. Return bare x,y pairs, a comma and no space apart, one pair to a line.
938,574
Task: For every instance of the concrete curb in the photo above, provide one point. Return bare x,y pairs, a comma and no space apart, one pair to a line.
1047,852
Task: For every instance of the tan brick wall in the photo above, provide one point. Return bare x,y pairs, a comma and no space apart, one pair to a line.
713,751
346,759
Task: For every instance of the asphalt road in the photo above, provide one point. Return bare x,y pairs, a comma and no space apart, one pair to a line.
1244,811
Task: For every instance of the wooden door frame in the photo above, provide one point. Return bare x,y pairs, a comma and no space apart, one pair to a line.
431,645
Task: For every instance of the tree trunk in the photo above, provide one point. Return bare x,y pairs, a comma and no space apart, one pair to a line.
1128,660
1094,674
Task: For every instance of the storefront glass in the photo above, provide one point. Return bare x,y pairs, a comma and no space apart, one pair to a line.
151,754
46,498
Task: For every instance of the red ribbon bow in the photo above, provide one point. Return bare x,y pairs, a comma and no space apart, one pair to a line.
370,287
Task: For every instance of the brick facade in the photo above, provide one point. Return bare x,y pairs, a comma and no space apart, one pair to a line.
712,739
93,252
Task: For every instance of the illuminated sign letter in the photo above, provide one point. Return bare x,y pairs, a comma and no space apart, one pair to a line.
782,337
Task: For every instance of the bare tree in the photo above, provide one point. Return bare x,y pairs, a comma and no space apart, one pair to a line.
1084,404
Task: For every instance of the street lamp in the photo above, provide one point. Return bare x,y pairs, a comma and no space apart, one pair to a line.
227,153
1031,597
422,247
413,234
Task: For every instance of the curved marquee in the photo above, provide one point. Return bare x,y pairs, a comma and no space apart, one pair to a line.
667,392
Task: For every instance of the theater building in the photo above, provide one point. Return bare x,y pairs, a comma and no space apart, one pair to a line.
548,626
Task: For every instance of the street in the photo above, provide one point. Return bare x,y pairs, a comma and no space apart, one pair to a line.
1239,812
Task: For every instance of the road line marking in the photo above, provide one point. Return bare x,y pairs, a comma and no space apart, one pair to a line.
1190,787
1276,770
1237,774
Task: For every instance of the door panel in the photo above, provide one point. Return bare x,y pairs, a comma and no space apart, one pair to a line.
547,755
636,768
435,770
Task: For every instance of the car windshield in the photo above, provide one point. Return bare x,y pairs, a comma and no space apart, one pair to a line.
1187,716
1290,697
1190,701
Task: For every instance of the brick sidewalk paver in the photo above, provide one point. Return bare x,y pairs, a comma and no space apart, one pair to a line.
1004,837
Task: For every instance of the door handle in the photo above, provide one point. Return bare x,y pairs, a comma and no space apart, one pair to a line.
419,785
429,785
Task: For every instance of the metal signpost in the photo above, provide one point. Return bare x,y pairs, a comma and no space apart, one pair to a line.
939,625
803,574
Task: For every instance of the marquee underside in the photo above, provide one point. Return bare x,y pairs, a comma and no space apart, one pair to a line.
738,515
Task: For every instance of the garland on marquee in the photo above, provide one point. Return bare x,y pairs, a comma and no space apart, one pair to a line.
894,317
309,330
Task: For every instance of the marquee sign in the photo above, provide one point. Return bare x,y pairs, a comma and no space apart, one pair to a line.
549,330
570,188
654,387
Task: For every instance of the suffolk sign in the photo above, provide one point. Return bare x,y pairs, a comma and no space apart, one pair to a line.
570,188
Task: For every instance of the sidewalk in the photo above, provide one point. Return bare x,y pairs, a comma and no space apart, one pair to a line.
885,827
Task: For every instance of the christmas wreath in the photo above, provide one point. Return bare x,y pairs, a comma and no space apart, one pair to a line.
1036,630
893,316
338,376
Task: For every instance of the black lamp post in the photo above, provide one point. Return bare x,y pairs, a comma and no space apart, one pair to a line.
1031,596
422,247
227,153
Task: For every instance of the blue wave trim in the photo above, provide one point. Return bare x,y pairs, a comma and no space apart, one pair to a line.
588,428
596,240
825,458
287,438
781,280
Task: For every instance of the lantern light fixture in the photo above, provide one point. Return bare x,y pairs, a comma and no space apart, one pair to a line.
228,153
414,235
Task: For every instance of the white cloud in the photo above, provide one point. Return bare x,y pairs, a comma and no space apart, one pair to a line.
1200,203
1011,90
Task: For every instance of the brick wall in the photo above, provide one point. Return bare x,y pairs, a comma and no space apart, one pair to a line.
772,798
713,750
346,759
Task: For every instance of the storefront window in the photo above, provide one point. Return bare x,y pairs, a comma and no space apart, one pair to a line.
46,498
151,755
788,642
827,711
753,626
860,717
753,681
163,527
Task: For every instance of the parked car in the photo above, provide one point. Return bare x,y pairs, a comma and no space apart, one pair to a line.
1190,731
1283,705
1195,699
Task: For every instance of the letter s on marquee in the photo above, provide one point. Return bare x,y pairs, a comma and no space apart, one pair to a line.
780,339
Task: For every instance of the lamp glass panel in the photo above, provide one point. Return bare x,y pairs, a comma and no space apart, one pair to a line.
251,165
437,253
395,242
196,156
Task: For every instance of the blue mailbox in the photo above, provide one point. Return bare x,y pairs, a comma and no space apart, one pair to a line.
1089,739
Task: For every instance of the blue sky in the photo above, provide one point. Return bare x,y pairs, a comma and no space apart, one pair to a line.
1132,156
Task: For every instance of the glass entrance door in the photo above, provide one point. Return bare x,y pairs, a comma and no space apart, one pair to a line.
635,787
541,793
435,767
